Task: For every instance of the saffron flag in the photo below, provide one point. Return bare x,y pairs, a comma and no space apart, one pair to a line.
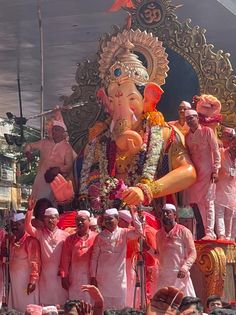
118,4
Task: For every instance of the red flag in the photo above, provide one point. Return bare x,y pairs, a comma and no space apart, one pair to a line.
118,4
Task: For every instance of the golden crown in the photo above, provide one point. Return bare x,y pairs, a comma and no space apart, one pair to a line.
119,58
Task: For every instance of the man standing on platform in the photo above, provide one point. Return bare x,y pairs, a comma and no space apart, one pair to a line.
24,266
55,152
226,136
181,124
51,240
175,251
225,202
108,261
75,258
204,152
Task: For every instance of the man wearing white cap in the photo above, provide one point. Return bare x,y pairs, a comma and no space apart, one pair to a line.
108,261
125,220
93,226
54,152
204,151
181,123
51,240
133,249
175,251
225,202
75,258
24,266
227,135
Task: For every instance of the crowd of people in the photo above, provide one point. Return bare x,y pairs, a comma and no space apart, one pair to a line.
93,264
214,160
87,270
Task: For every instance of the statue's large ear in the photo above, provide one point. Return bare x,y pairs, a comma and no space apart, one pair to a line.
152,95
102,98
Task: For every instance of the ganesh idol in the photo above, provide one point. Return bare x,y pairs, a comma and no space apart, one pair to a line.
134,156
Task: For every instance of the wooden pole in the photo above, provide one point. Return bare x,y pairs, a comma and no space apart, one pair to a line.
42,70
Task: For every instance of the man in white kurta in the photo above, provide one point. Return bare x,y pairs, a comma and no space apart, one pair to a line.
176,253
54,152
225,202
108,261
203,149
51,240
24,266
125,220
75,258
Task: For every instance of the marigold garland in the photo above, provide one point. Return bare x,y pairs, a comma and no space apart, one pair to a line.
154,119
144,164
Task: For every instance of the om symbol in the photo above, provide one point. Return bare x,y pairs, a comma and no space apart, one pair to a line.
150,13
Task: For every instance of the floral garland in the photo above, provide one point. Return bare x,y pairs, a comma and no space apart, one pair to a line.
85,171
153,154
144,163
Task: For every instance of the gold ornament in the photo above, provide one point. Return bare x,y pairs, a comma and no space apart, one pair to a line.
117,62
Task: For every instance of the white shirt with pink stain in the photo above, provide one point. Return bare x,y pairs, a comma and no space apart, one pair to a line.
24,268
108,263
226,185
175,252
75,262
204,152
51,155
51,291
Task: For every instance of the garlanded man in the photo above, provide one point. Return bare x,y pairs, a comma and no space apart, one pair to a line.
24,266
51,240
175,251
75,258
204,152
108,261
181,124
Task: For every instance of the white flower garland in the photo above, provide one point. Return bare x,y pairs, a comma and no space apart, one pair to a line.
153,153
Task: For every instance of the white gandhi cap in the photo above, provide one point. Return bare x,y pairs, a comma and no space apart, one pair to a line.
18,217
169,206
125,215
83,213
51,211
111,212
190,112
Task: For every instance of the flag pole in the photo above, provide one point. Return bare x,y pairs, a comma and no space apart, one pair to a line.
42,70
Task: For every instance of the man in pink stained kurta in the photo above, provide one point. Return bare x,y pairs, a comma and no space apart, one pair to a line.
125,220
175,251
108,261
24,266
225,202
51,240
54,152
204,152
226,136
75,258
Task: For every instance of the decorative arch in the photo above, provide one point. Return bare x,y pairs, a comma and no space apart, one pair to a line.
213,68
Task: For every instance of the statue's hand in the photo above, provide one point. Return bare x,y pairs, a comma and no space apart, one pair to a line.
133,196
62,189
